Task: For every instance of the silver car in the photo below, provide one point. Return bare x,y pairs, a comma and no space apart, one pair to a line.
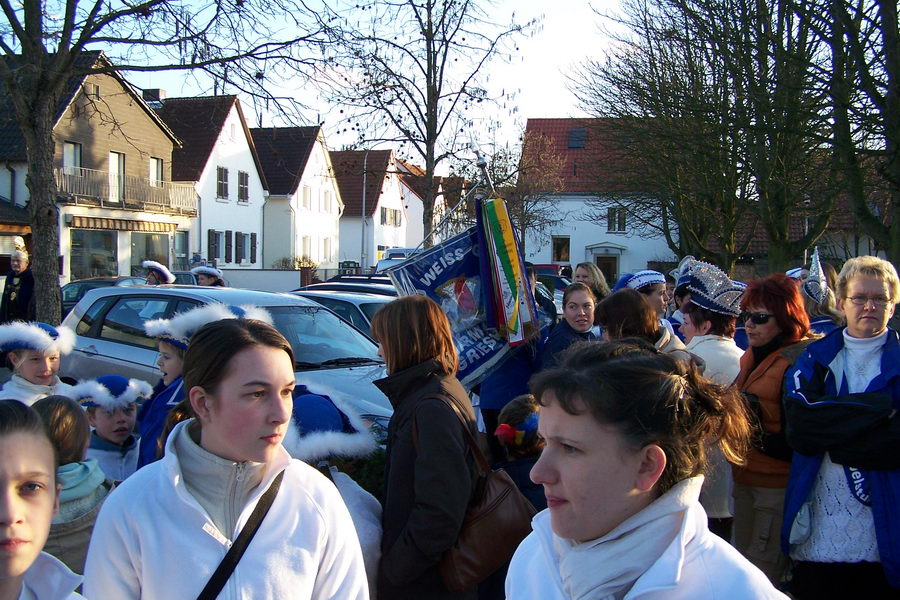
332,357
357,308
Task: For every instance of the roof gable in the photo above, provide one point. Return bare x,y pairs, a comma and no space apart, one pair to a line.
348,168
197,122
283,153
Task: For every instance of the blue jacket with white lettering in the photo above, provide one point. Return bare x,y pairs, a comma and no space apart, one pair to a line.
858,430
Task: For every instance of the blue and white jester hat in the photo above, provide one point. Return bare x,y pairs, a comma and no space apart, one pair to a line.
636,281
164,274
797,273
207,270
179,330
682,273
110,392
46,339
712,289
816,285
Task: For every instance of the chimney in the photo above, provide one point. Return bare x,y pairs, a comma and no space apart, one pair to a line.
155,97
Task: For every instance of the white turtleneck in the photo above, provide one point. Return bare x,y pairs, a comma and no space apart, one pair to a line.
221,486
18,388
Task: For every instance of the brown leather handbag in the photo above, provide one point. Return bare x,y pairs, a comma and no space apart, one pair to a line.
497,520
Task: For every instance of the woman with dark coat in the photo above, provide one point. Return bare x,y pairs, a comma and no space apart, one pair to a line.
579,303
18,295
429,471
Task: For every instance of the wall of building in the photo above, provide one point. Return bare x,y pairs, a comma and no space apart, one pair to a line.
278,230
12,182
317,222
415,229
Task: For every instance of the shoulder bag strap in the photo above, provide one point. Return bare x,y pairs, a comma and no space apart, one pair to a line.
233,556
480,460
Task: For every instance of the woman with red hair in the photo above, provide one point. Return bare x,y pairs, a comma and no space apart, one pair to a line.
778,330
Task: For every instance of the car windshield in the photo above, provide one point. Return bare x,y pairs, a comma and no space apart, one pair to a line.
370,308
319,337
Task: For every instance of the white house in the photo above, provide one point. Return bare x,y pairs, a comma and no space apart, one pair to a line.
219,155
302,214
613,243
375,217
412,178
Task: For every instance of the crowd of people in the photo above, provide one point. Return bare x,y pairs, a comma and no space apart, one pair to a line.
725,440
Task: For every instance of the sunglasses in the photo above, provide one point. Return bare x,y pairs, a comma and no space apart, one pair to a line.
758,318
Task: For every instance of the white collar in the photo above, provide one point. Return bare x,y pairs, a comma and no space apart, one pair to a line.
49,579
23,383
709,337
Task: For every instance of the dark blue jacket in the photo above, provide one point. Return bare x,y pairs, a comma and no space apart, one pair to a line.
519,471
510,379
823,325
560,338
152,418
858,430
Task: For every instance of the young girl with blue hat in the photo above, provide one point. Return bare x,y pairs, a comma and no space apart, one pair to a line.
157,273
111,404
173,336
33,352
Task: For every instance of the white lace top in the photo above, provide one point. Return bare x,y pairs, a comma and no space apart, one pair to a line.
842,528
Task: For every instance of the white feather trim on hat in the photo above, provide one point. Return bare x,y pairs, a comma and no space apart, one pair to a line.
152,265
207,270
182,327
22,335
93,393
320,445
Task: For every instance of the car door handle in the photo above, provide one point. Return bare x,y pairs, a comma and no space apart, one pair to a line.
92,350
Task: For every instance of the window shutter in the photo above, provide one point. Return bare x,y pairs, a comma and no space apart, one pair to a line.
228,242
253,247
211,250
238,247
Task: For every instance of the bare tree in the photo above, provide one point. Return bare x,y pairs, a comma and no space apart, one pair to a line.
45,46
411,71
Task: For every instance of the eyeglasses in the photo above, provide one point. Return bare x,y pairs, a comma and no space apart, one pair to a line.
758,318
878,301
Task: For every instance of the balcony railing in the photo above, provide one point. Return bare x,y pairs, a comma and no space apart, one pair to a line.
126,191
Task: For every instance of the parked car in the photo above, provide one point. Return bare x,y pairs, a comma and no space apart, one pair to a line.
360,278
185,278
393,256
341,286
332,357
74,290
550,268
356,308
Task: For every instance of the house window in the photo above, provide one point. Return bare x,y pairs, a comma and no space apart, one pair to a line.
326,250
577,138
116,176
221,182
148,246
306,196
560,249
156,172
92,91
305,247
181,251
390,217
220,245
215,245
93,253
246,255
326,198
72,158
243,186
615,219
232,132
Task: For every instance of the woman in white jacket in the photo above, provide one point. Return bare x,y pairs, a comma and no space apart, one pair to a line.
626,446
33,351
165,530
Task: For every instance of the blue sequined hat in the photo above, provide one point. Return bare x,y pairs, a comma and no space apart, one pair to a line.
713,290
21,335
816,285
179,329
636,281
110,392
682,273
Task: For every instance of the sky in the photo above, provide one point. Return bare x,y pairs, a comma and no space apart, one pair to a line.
569,31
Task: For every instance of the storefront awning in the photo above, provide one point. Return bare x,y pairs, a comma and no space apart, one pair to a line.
79,222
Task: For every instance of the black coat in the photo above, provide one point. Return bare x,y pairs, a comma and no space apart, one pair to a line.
428,483
18,298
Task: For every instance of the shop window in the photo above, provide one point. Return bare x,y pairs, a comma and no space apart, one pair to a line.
93,253
148,246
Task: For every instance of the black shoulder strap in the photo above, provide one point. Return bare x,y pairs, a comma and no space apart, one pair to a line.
233,556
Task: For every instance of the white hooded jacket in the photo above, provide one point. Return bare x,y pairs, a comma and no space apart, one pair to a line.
49,579
694,565
154,540
28,393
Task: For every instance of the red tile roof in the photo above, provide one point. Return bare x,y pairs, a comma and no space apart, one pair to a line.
348,171
283,153
197,122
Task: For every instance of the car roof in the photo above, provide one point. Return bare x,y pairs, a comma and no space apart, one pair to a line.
110,278
356,297
375,288
207,294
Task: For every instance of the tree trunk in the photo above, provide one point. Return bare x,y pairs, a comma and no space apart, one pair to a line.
40,147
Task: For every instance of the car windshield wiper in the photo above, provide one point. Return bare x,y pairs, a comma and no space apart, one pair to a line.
306,365
349,360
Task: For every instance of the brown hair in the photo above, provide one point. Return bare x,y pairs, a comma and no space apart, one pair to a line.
655,400
67,427
412,330
597,282
16,417
209,354
627,313
719,324
577,287
588,354
515,413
